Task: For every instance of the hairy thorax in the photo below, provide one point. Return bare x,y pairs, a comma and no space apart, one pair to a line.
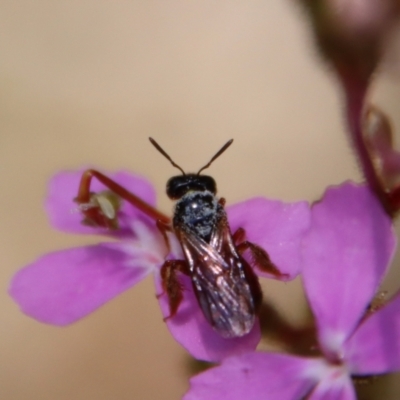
197,211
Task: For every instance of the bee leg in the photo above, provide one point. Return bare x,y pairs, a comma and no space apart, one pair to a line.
171,285
94,212
254,284
239,236
164,228
260,259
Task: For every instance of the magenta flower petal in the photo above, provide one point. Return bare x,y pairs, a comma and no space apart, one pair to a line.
254,376
190,328
62,287
346,254
334,388
375,346
275,226
64,213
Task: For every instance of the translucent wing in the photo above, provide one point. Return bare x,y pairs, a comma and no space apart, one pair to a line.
226,288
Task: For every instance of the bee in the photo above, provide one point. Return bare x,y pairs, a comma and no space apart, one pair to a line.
224,282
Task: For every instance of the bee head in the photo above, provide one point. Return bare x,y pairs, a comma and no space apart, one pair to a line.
178,186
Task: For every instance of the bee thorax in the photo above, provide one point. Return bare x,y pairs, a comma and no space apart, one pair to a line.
197,211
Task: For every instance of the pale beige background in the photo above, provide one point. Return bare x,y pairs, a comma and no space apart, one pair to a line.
85,83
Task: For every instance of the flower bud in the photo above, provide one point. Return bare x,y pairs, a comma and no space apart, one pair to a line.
352,33
377,131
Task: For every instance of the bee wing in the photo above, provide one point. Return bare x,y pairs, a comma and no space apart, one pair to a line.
220,280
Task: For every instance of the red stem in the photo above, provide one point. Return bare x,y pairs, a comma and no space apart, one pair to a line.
356,91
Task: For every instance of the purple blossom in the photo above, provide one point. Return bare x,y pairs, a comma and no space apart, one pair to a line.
64,286
345,255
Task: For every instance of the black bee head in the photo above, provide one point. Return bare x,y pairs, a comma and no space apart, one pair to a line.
178,186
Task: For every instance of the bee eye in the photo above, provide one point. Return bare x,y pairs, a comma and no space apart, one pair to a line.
208,183
176,188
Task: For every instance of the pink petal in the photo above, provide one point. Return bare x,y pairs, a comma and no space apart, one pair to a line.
254,376
64,213
190,328
330,388
374,347
346,254
62,287
275,226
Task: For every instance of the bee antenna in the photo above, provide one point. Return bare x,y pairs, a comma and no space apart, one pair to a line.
218,153
162,151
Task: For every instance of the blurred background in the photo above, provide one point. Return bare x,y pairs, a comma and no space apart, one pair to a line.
85,83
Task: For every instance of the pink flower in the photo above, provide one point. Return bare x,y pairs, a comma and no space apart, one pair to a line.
345,255
64,286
